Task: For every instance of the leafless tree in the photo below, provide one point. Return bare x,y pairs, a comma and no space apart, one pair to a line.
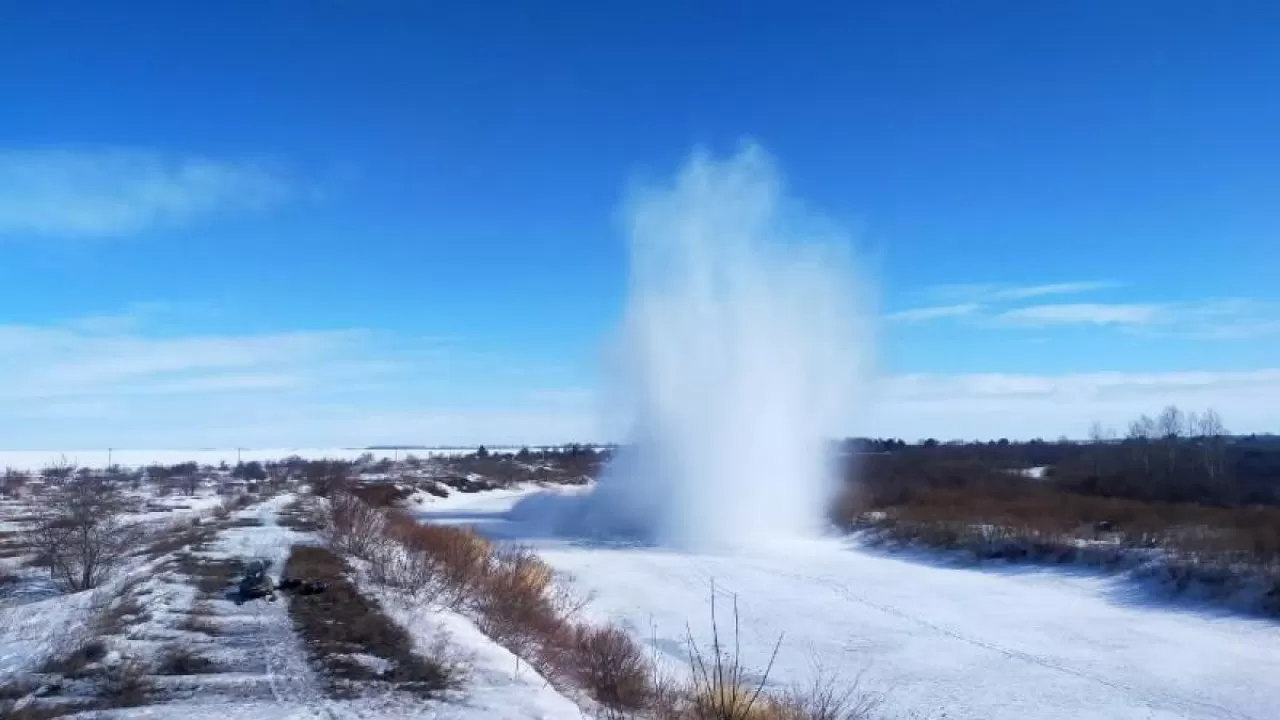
13,480
1141,432
82,534
1099,436
190,483
59,471
1172,426
1211,431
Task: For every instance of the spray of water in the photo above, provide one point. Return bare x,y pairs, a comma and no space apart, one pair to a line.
740,358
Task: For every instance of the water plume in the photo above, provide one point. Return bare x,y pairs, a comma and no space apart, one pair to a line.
740,358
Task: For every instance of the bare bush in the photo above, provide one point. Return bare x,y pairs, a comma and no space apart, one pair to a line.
416,573
609,664
353,526
82,535
514,601
463,555
327,477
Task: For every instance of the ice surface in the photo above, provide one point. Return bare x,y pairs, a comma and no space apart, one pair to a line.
989,644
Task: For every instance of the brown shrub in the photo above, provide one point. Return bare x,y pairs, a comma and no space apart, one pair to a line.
416,573
612,668
354,527
381,495
515,602
462,555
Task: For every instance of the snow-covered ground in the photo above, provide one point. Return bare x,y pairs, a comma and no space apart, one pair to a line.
263,670
36,460
939,641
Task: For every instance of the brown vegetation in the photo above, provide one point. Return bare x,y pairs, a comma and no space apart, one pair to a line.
179,660
1175,485
340,621
514,598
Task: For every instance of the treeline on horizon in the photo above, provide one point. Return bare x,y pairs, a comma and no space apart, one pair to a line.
1173,457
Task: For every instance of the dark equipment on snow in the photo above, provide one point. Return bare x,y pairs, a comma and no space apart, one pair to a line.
304,587
256,583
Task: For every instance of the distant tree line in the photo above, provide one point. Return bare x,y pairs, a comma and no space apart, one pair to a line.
1173,456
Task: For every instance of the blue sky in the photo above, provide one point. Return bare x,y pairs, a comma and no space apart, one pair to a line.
313,223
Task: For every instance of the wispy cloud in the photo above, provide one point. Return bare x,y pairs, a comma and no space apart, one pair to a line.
997,306
989,293
110,380
41,363
115,191
1069,288
1083,314
989,405
975,299
935,312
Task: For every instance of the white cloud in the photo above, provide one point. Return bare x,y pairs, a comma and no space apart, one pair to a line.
1024,292
114,191
60,362
66,387
935,312
89,383
1083,314
985,293
1207,319
983,406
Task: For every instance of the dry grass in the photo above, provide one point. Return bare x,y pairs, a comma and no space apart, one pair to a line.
180,536
124,686
340,621
179,660
75,662
212,576
514,598
200,620
301,516
941,516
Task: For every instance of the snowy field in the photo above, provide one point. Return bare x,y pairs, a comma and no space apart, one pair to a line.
36,460
262,669
938,641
